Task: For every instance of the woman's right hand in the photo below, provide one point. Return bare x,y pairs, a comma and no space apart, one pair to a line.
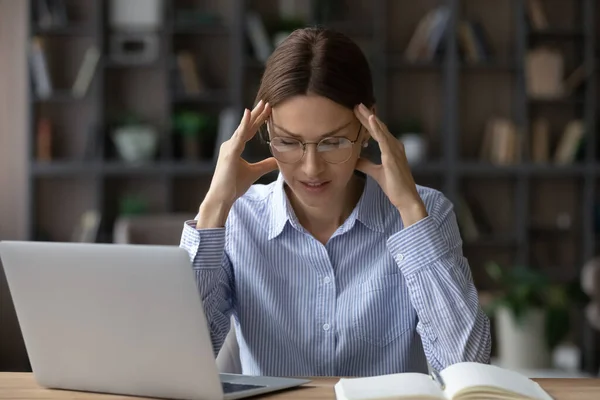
233,175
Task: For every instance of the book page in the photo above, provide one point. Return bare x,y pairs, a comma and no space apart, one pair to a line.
393,386
464,375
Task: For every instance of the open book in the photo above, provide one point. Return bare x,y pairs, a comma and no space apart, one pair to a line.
462,381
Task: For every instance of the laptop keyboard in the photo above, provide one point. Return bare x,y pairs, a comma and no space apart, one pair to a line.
229,387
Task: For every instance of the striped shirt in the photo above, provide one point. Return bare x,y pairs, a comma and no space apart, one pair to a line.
378,298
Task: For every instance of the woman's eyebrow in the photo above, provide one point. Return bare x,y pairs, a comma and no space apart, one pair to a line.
333,132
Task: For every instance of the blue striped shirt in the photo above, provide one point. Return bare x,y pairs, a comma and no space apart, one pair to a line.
378,298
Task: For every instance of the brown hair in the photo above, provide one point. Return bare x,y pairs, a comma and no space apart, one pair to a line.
317,60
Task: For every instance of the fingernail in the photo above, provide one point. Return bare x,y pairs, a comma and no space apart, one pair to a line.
363,107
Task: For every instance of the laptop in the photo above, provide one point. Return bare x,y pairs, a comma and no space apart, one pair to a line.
119,319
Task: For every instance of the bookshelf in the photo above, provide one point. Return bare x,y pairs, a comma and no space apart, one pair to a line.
452,96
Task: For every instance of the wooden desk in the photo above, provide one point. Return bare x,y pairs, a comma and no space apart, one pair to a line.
21,386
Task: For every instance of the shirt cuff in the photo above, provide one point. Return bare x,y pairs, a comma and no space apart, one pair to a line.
205,246
418,245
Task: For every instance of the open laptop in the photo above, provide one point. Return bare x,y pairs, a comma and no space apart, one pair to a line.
120,319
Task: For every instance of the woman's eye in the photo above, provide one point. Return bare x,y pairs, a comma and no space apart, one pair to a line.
288,142
331,142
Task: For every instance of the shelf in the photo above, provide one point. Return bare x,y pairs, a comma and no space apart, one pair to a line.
64,168
71,30
486,169
561,101
201,30
118,168
215,97
58,96
489,66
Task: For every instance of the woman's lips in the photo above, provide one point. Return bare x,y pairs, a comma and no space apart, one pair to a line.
315,187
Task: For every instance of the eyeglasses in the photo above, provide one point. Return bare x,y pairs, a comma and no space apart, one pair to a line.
334,150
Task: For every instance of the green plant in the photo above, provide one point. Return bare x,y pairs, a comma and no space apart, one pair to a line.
522,289
190,123
132,205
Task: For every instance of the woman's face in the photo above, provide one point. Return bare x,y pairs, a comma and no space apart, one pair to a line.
314,181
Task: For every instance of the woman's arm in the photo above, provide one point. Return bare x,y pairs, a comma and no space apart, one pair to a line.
452,325
214,277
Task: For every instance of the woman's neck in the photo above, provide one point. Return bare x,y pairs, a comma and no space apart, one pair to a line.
322,222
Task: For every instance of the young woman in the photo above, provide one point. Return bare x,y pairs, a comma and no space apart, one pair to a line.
340,267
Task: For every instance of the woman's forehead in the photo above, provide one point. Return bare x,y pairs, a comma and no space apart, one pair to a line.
314,115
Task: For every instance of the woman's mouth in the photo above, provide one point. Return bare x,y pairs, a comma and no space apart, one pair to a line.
315,187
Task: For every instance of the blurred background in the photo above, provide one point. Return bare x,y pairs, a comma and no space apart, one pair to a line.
111,112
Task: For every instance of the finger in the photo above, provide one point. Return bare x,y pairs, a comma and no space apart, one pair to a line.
260,119
378,134
238,135
257,110
263,167
368,167
363,116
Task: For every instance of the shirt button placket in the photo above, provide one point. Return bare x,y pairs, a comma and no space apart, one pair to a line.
328,322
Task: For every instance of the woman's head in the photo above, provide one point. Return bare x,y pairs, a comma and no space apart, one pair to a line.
312,81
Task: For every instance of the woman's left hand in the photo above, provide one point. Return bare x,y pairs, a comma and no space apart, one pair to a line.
393,174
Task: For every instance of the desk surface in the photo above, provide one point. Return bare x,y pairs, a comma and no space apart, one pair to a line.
22,386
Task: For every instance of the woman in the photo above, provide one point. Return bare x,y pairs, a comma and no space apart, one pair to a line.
340,267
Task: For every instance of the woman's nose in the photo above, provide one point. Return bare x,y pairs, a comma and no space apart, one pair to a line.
312,163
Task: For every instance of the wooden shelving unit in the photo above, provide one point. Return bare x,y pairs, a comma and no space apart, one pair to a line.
452,98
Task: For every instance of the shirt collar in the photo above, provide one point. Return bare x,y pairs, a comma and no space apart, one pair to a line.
282,211
368,210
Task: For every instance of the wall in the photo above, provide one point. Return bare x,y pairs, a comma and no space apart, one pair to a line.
13,172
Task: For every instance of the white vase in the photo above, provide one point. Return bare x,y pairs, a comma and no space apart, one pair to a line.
522,345
136,14
136,143
414,147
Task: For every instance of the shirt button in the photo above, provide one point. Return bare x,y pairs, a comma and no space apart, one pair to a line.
400,257
326,280
326,327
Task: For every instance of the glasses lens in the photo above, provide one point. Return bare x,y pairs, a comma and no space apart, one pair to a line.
335,150
286,150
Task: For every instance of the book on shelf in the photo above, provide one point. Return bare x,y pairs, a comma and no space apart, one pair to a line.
472,219
189,74
428,37
85,75
40,73
474,43
501,142
44,140
569,143
259,38
536,14
465,380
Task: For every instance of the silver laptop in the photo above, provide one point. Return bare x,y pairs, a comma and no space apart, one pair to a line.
121,319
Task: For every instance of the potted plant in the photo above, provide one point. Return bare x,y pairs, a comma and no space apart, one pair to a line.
531,313
191,126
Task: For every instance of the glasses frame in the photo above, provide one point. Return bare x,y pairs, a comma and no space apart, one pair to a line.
352,142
